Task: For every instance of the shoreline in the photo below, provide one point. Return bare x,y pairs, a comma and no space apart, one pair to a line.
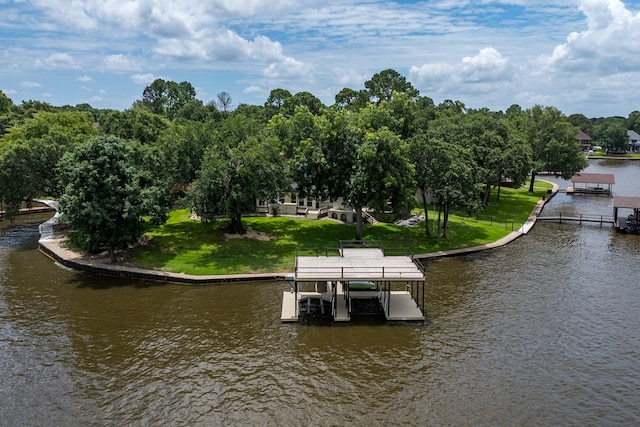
50,244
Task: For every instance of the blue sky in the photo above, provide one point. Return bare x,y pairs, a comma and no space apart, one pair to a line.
581,56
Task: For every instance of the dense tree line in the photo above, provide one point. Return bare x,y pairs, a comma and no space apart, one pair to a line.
375,148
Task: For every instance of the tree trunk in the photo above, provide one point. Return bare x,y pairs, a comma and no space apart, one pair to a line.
499,189
112,254
445,222
486,195
358,222
533,179
235,224
438,231
425,206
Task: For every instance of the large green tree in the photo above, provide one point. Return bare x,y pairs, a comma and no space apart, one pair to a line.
381,173
446,174
306,99
633,121
612,137
302,138
30,153
167,97
233,177
554,146
64,129
18,181
104,196
134,123
383,85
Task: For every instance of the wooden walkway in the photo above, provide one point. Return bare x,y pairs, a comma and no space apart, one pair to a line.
601,219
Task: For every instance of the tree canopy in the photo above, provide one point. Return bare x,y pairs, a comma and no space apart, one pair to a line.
104,195
372,149
233,177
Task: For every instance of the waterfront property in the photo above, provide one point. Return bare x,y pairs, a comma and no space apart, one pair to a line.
585,141
357,278
592,183
292,204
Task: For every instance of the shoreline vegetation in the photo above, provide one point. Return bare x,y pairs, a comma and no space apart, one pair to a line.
184,245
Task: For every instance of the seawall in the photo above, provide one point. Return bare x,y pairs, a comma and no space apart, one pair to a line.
51,244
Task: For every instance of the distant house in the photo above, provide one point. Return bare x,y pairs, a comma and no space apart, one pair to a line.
633,143
584,140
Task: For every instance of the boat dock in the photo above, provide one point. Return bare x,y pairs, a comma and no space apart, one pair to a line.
592,184
631,222
358,278
624,223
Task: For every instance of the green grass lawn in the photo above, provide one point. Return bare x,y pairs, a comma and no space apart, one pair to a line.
184,245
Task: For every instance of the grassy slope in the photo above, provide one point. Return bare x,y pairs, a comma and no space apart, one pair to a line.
188,246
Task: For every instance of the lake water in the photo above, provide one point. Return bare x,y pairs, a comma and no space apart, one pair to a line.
545,331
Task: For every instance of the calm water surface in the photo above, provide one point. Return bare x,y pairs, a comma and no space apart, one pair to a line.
545,331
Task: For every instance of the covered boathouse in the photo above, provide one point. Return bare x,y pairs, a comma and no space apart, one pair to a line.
630,223
357,278
592,183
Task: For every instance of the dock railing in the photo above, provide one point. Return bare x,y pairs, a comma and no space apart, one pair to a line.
358,273
601,219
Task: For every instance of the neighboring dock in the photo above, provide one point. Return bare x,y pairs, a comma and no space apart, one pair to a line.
601,219
624,223
592,184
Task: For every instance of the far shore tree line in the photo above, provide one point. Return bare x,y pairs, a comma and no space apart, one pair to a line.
374,148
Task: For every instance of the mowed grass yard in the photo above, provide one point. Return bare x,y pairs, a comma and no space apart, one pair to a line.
184,245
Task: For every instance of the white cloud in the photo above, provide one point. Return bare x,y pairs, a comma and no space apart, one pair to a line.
610,44
143,79
29,85
481,73
225,46
487,66
494,52
350,77
285,69
57,60
120,63
253,89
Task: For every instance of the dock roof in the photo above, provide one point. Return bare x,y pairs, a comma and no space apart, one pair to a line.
593,178
626,202
358,264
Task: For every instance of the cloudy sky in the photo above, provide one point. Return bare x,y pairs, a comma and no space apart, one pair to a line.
581,56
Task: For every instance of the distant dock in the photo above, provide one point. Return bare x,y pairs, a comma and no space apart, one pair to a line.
601,219
625,224
599,184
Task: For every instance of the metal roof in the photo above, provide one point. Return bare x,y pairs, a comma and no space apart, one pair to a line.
593,178
626,202
358,264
